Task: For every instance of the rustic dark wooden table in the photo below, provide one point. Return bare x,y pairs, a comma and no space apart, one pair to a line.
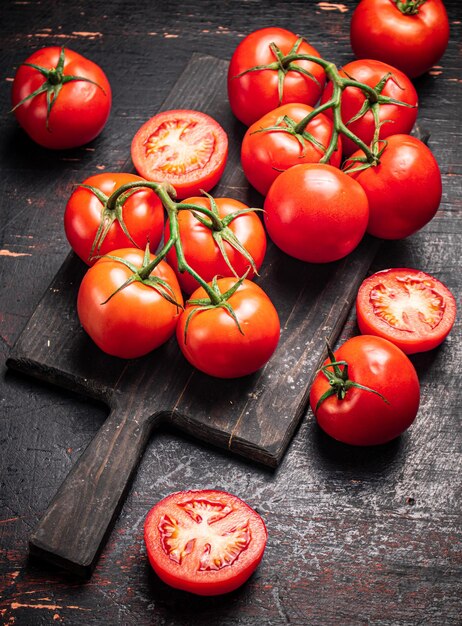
356,536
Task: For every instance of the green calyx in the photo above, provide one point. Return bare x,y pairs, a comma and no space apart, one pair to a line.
216,299
54,81
409,7
143,275
282,65
339,381
288,125
221,232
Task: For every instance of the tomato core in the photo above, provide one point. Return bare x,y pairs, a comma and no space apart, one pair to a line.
410,304
180,146
214,549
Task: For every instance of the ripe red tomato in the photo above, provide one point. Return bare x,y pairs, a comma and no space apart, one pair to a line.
80,107
186,148
201,250
142,214
408,307
267,153
406,35
314,214
362,417
394,118
137,319
404,189
255,93
206,542
213,342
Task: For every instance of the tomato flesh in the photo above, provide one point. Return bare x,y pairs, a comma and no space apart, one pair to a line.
185,148
409,307
206,541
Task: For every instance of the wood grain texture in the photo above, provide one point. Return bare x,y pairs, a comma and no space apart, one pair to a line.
355,536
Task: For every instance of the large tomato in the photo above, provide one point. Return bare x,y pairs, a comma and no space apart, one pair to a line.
186,148
360,416
136,319
254,93
409,35
314,214
142,215
80,98
206,542
273,144
200,247
404,189
394,118
406,306
228,345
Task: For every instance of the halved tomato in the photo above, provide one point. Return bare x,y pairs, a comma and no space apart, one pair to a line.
186,148
408,307
206,542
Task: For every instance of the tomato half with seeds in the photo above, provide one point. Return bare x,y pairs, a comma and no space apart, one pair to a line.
132,320
207,542
274,143
393,118
370,397
408,307
242,238
278,79
229,344
186,148
93,229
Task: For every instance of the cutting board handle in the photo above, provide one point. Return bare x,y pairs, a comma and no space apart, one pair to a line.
74,528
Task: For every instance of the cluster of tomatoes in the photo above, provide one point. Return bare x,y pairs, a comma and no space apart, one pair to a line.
330,152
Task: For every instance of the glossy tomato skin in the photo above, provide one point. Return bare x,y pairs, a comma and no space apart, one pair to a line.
202,252
363,418
313,214
213,342
267,153
255,93
81,109
404,190
137,319
411,43
206,542
142,212
396,119
184,147
410,308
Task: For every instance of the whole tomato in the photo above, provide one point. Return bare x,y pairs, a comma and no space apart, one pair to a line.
372,416
136,319
201,249
404,189
314,214
80,97
227,345
409,35
394,118
254,93
273,144
92,229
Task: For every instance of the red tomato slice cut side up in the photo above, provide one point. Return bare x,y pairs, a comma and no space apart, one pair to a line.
205,542
408,307
186,148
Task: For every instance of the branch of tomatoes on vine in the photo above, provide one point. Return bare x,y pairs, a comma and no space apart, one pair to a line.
314,151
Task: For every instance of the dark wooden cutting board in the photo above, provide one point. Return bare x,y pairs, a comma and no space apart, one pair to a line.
254,416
